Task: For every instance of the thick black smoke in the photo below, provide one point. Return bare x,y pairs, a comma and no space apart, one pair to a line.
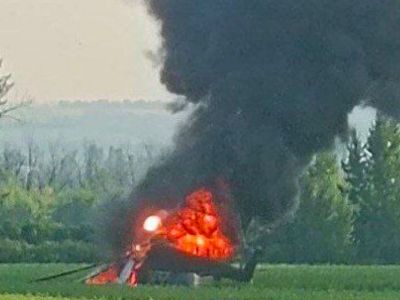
275,81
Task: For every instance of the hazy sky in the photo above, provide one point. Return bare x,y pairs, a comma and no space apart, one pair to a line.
79,49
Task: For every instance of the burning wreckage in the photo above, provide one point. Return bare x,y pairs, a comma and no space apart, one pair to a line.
271,84
189,240
200,238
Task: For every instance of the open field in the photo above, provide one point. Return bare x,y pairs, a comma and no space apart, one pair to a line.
271,282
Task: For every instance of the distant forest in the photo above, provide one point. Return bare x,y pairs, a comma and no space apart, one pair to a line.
105,123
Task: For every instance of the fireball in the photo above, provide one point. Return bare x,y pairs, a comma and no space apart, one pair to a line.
152,224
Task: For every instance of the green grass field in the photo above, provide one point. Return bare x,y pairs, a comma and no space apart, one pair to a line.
271,282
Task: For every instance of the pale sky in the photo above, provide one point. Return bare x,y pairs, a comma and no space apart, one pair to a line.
79,49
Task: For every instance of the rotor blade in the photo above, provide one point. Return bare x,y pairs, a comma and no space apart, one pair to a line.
51,277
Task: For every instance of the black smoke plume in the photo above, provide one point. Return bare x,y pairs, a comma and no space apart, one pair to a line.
274,81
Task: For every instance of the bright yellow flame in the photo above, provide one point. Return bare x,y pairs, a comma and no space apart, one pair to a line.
200,241
152,223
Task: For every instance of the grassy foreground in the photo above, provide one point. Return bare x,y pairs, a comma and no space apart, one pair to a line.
271,282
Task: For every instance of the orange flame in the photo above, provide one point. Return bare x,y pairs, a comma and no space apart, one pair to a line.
109,275
196,228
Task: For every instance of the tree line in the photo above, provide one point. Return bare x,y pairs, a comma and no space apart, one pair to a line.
50,198
348,212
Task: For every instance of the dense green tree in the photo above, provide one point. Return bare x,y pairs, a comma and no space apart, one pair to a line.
355,171
356,176
24,214
73,209
377,225
321,229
